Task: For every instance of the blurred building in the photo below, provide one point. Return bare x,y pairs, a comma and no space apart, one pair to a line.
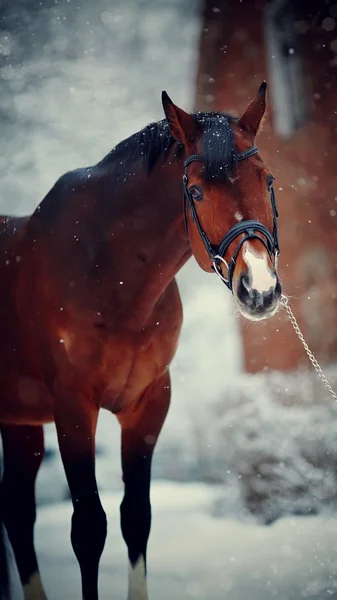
293,45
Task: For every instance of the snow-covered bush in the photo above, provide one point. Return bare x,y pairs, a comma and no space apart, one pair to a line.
273,440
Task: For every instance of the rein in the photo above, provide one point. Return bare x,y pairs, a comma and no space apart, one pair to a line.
249,227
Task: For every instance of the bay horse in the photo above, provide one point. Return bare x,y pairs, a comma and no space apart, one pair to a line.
91,313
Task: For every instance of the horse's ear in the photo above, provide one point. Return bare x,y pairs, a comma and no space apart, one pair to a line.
252,118
182,126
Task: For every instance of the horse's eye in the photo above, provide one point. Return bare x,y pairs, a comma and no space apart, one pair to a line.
196,192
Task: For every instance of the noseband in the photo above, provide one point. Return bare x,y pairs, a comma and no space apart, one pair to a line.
249,228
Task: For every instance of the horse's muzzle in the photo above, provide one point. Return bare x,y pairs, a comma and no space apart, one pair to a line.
254,304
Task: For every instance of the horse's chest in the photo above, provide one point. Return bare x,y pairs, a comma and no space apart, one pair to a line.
118,363
137,364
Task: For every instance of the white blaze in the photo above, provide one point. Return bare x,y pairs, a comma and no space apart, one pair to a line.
137,581
261,277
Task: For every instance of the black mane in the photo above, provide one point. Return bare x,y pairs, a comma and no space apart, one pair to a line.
155,141
152,143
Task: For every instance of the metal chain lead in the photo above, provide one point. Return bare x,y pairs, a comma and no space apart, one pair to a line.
285,303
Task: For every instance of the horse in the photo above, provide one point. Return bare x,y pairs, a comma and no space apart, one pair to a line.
91,313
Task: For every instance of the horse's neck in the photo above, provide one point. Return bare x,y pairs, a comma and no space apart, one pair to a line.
153,238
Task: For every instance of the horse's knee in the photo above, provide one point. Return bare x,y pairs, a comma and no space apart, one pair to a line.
88,531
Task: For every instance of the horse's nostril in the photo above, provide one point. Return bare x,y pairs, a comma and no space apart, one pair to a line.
245,281
243,288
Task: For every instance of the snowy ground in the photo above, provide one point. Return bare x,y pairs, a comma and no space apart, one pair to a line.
192,555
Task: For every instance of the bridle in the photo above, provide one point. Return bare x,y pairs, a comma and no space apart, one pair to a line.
249,227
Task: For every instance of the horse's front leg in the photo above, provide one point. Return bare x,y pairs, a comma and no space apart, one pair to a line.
141,424
76,420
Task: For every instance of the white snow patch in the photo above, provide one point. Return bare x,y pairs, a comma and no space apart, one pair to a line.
192,555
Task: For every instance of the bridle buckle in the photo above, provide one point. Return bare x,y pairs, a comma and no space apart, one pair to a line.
219,273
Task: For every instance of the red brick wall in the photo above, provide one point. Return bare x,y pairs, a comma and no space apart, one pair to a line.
232,65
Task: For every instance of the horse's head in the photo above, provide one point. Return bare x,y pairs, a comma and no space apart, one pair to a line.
230,211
